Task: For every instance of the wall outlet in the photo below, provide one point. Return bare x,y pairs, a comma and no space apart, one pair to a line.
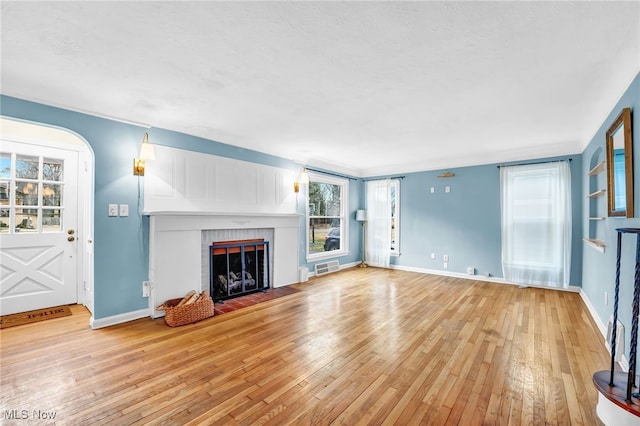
113,210
146,288
433,255
124,210
433,189
446,265
445,257
447,189
471,270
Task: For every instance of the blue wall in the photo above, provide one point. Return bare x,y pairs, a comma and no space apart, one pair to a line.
465,222
598,274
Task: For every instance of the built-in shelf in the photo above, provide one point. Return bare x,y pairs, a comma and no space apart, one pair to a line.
597,193
596,244
596,189
597,169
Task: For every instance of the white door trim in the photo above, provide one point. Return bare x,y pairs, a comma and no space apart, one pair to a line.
28,132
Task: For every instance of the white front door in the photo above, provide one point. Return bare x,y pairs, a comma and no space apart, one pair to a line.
38,227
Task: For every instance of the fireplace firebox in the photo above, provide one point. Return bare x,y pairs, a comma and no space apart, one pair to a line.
238,268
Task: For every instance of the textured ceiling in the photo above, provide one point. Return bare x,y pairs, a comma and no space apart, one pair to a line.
367,88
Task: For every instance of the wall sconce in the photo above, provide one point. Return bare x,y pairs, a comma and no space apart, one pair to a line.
302,178
146,153
361,216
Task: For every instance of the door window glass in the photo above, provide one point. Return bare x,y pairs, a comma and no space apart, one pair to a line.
51,195
4,221
26,167
26,194
4,193
52,170
5,166
31,194
51,220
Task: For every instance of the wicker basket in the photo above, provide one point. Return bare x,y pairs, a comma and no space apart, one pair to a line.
175,316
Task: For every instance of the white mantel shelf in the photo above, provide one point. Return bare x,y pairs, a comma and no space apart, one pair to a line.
202,221
230,214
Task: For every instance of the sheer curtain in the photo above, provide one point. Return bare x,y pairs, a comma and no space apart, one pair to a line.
378,226
536,223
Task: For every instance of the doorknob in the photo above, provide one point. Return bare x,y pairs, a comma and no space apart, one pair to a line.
71,232
71,238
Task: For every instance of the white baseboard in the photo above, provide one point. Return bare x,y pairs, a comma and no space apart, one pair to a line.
601,326
118,319
349,265
624,362
571,288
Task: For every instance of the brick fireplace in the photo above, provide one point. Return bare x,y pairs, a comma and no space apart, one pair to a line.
193,199
179,247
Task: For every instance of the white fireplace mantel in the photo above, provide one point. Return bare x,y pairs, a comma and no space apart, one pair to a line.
175,249
187,192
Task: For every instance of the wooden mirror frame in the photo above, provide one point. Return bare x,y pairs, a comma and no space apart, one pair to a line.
624,121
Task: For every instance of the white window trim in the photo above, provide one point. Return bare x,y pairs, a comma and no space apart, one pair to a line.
344,216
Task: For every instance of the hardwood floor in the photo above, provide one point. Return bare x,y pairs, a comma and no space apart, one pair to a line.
356,347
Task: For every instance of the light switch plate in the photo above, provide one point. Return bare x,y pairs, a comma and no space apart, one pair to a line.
113,210
124,210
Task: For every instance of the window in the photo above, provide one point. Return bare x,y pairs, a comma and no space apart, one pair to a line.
395,217
383,221
327,224
536,223
31,190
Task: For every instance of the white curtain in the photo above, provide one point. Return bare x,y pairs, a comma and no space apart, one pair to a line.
536,223
378,225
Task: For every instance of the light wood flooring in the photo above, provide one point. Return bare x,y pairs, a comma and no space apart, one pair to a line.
361,346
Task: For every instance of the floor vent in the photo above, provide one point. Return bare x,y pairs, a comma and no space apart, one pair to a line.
619,338
327,267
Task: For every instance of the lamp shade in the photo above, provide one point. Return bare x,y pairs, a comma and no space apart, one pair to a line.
361,215
146,149
147,152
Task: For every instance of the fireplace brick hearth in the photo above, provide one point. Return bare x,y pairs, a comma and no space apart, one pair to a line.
252,299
